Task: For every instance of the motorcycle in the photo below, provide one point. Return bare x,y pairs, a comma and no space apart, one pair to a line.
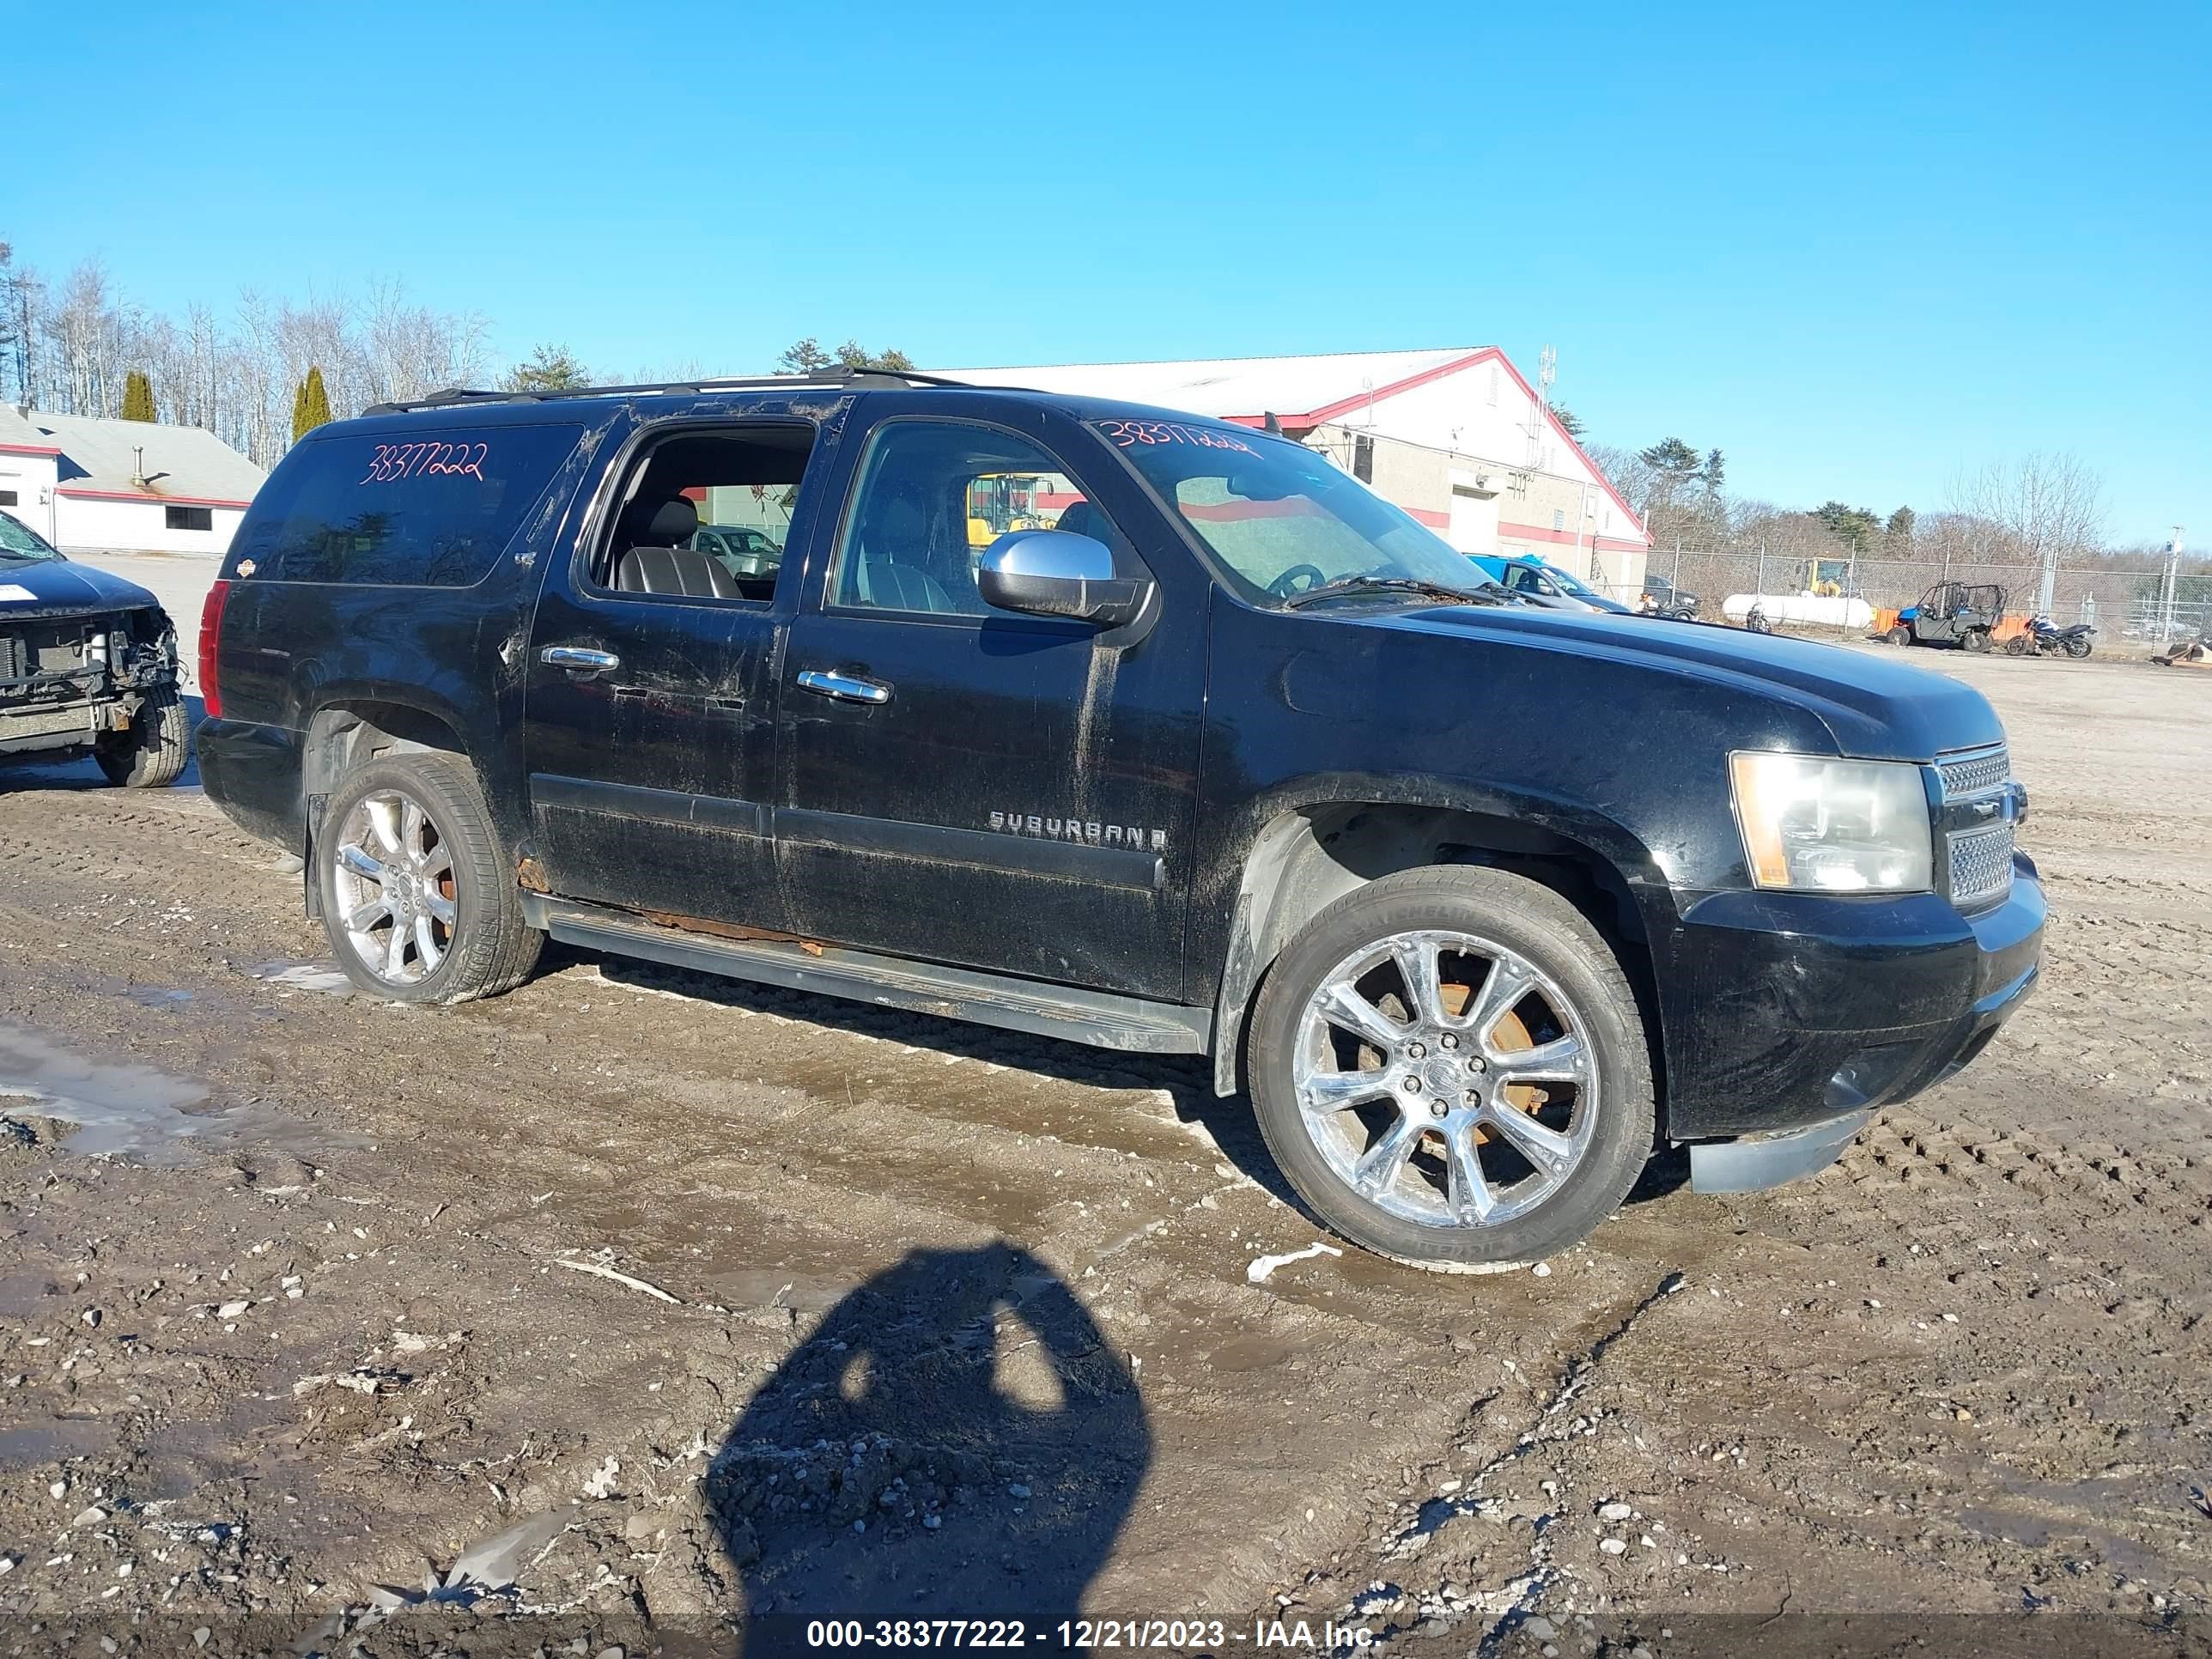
2045,638
1756,620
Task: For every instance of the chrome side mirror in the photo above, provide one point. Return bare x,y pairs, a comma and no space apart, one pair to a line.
1057,573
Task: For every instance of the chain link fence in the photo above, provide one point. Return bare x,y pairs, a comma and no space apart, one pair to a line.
2129,608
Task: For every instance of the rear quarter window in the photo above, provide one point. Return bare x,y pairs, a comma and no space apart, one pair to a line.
432,509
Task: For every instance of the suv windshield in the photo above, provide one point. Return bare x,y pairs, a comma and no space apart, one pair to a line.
1284,521
19,541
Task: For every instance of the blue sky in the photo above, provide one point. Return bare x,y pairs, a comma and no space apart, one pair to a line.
1855,248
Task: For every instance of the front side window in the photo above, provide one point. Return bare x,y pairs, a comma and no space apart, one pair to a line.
932,496
1280,517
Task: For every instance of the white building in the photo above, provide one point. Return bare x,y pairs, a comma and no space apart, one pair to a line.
1453,434
98,486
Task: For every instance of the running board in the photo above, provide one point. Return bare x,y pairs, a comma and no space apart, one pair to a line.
1100,1019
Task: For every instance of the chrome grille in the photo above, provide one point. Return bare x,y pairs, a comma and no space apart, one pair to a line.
1981,865
1976,773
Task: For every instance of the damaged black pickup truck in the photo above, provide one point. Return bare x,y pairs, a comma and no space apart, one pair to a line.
1141,730
88,667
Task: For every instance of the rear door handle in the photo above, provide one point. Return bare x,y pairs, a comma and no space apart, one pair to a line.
845,688
579,659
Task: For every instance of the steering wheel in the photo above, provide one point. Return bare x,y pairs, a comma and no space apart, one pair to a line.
1283,587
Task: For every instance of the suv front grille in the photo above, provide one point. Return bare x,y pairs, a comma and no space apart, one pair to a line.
1981,865
15,657
1979,851
1976,773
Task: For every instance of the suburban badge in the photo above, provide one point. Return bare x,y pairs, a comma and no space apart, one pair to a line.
1090,831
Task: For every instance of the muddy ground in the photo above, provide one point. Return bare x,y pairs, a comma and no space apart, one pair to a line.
631,1304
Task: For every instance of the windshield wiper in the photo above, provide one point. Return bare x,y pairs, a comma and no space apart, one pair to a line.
1345,584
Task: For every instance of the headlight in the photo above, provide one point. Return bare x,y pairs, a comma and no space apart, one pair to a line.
1837,826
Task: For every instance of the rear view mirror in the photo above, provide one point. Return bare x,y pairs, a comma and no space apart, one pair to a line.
1057,573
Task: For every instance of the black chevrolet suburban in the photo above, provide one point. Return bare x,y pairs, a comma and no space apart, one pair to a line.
1137,729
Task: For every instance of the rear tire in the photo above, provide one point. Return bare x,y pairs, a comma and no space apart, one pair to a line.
417,898
1976,639
153,752
1468,1171
2079,649
1898,636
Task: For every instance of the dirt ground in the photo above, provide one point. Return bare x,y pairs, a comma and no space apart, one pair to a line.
630,1306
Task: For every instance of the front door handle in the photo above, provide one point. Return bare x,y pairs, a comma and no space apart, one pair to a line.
845,688
579,659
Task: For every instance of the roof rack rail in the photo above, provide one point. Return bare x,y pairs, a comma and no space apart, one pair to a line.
839,377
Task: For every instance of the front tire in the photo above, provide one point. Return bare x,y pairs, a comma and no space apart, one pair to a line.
2019,646
417,899
1899,635
152,754
1449,1066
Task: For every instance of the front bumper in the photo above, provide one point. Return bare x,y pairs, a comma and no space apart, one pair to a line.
1786,1009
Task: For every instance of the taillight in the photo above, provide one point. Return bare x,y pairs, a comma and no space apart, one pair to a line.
210,633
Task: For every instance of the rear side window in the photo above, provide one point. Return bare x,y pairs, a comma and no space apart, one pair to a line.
417,508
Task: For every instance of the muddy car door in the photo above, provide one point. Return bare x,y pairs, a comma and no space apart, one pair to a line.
650,720
969,785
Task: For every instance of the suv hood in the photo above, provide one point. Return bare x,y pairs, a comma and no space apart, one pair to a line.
58,588
1874,705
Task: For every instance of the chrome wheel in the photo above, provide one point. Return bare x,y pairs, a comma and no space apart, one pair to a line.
1446,1079
393,874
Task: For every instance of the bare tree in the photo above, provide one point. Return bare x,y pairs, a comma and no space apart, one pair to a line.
22,303
2049,506
1626,470
411,349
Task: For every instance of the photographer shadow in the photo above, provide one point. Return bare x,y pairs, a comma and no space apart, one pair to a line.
955,1440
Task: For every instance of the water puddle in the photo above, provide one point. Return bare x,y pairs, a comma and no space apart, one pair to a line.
55,1440
322,977
135,1111
20,1294
778,1287
158,996
1253,1353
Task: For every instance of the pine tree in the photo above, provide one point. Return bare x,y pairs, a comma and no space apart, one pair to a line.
549,369
312,407
137,397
